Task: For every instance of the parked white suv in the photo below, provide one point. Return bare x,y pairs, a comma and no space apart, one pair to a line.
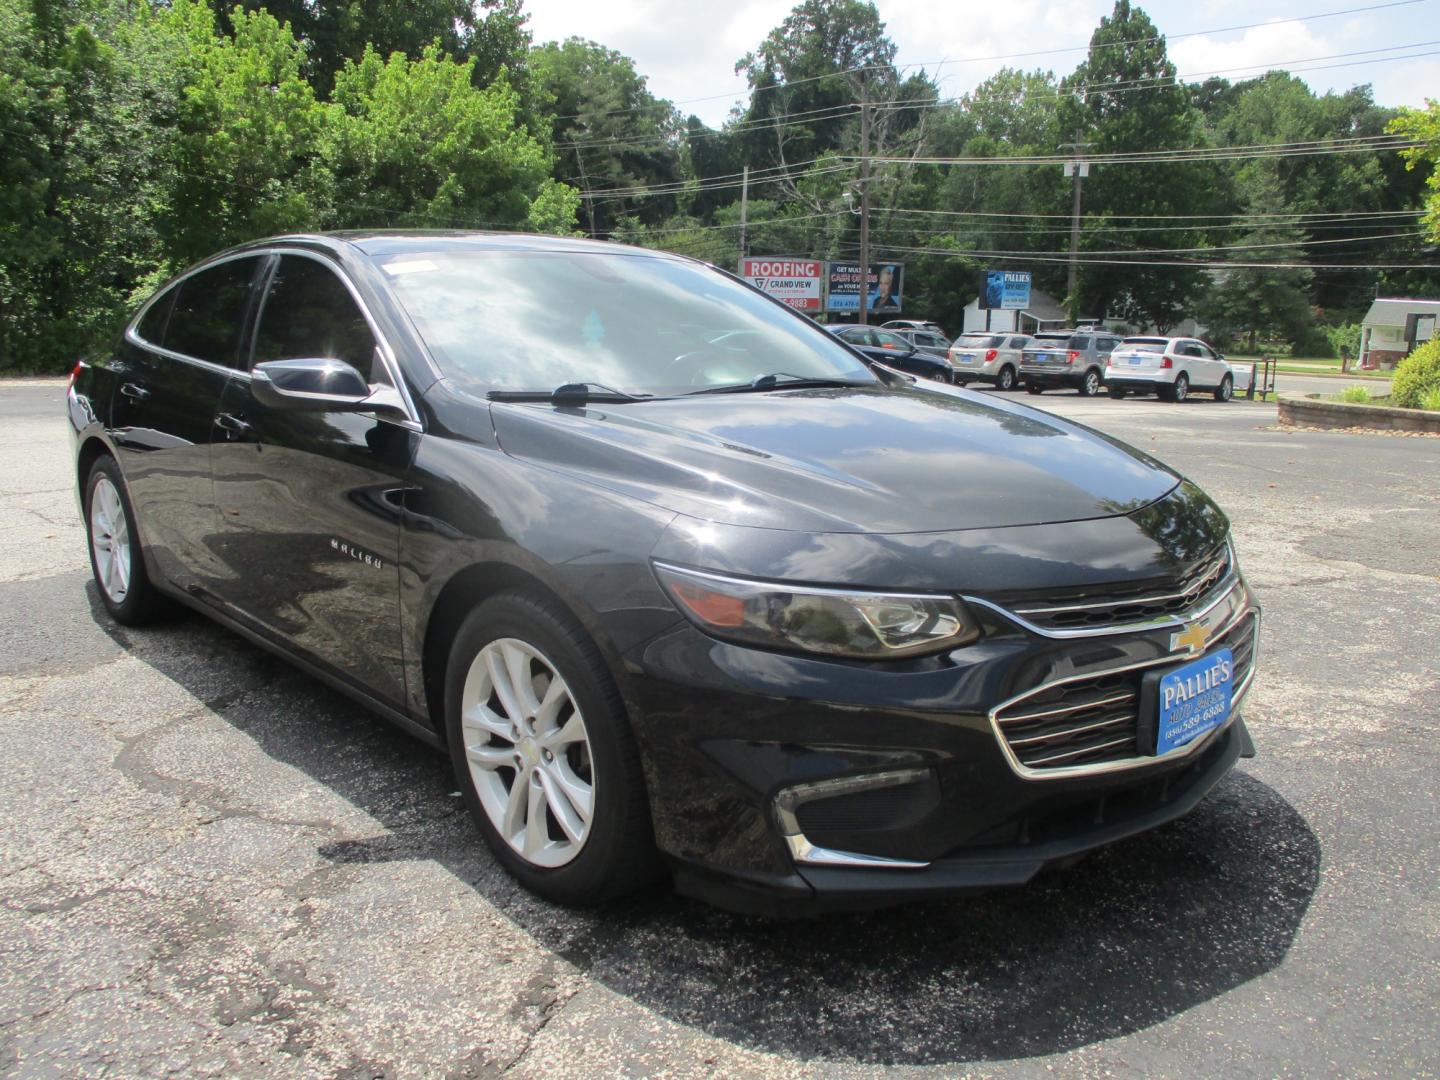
1170,367
988,358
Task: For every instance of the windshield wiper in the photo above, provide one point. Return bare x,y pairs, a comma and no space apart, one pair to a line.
780,380
576,393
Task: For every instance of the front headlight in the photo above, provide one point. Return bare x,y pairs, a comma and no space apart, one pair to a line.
836,622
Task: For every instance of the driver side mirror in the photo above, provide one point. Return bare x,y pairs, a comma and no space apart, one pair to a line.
319,385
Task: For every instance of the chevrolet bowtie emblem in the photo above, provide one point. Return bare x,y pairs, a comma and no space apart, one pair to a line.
1193,638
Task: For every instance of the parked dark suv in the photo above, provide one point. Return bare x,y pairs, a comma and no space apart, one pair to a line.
674,577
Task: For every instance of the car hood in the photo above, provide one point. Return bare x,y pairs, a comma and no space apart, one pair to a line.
863,459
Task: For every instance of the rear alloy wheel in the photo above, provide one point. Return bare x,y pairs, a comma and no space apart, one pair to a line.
115,555
1090,386
543,753
1225,390
1006,379
1182,388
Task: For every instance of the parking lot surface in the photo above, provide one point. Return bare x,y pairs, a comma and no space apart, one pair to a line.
213,865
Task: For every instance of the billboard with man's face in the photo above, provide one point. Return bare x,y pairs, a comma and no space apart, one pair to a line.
886,285
1005,290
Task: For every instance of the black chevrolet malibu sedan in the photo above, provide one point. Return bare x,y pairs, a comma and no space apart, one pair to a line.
677,580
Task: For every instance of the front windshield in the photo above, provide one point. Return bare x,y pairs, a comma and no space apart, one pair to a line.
535,320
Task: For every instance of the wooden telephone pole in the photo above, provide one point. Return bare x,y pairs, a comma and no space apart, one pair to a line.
864,198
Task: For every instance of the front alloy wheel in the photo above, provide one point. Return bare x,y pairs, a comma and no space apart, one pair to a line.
543,752
528,752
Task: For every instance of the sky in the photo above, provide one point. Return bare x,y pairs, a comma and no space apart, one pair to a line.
688,49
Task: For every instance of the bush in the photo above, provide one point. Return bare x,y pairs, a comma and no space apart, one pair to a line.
1355,395
1431,400
1344,339
1417,375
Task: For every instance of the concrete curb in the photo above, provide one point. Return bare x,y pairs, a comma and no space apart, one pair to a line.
1310,411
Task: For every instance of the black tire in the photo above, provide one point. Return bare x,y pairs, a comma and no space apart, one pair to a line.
1226,389
1006,379
1181,390
1090,384
1117,392
140,603
1031,388
618,854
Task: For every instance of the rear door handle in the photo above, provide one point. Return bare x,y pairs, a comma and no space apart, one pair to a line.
232,423
134,391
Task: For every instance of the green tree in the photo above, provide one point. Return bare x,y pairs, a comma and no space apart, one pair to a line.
248,135
414,142
1423,126
1124,97
608,130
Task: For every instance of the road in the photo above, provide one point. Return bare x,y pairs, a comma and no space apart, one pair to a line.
214,866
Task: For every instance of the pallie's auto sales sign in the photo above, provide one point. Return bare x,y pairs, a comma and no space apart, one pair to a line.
797,282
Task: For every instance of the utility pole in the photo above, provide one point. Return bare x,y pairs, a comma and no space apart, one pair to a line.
585,186
1079,168
864,197
744,210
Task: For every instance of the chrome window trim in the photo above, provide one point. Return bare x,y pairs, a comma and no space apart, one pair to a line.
1100,768
807,854
1159,622
387,353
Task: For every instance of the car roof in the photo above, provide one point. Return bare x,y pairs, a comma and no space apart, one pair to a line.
382,242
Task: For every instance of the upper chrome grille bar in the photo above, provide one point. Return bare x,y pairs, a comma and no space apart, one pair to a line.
1200,582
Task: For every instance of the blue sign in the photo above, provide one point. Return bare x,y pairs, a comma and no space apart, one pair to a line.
1008,290
1194,699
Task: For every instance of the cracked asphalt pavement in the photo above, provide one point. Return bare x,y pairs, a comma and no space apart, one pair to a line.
210,864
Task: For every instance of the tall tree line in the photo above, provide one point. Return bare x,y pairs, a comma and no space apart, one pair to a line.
137,136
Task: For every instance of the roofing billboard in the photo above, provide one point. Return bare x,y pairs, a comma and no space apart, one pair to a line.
797,282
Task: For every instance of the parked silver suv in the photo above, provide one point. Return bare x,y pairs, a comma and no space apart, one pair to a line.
988,358
1067,358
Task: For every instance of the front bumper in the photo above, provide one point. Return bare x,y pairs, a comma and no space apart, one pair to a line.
729,733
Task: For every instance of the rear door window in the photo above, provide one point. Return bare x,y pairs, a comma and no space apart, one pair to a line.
151,327
309,314
209,310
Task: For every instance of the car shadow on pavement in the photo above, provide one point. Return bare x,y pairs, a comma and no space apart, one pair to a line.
1131,936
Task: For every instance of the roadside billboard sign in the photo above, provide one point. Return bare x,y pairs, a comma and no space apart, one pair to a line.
1005,290
797,282
886,287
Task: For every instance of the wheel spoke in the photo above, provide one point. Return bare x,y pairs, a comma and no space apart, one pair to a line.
577,792
480,718
517,665
546,713
572,732
513,824
571,815
491,757
537,833
500,680
122,571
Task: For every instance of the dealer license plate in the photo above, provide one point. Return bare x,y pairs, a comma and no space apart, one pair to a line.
1134,359
967,357
1193,700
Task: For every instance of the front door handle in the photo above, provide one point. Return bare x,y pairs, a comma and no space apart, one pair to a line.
231,423
134,391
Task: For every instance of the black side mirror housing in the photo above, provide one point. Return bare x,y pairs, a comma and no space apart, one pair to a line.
319,385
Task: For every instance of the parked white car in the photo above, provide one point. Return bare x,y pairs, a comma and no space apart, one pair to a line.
1169,367
988,358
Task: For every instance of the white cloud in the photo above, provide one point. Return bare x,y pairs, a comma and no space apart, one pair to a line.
1251,53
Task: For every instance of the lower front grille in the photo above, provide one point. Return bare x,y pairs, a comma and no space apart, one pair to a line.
1095,719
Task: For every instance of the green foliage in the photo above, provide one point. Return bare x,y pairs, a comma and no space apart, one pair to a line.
1416,376
413,142
1343,340
1423,125
1355,395
1430,399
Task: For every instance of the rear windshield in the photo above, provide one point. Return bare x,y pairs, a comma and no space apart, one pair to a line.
980,341
1145,344
1051,338
1080,342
